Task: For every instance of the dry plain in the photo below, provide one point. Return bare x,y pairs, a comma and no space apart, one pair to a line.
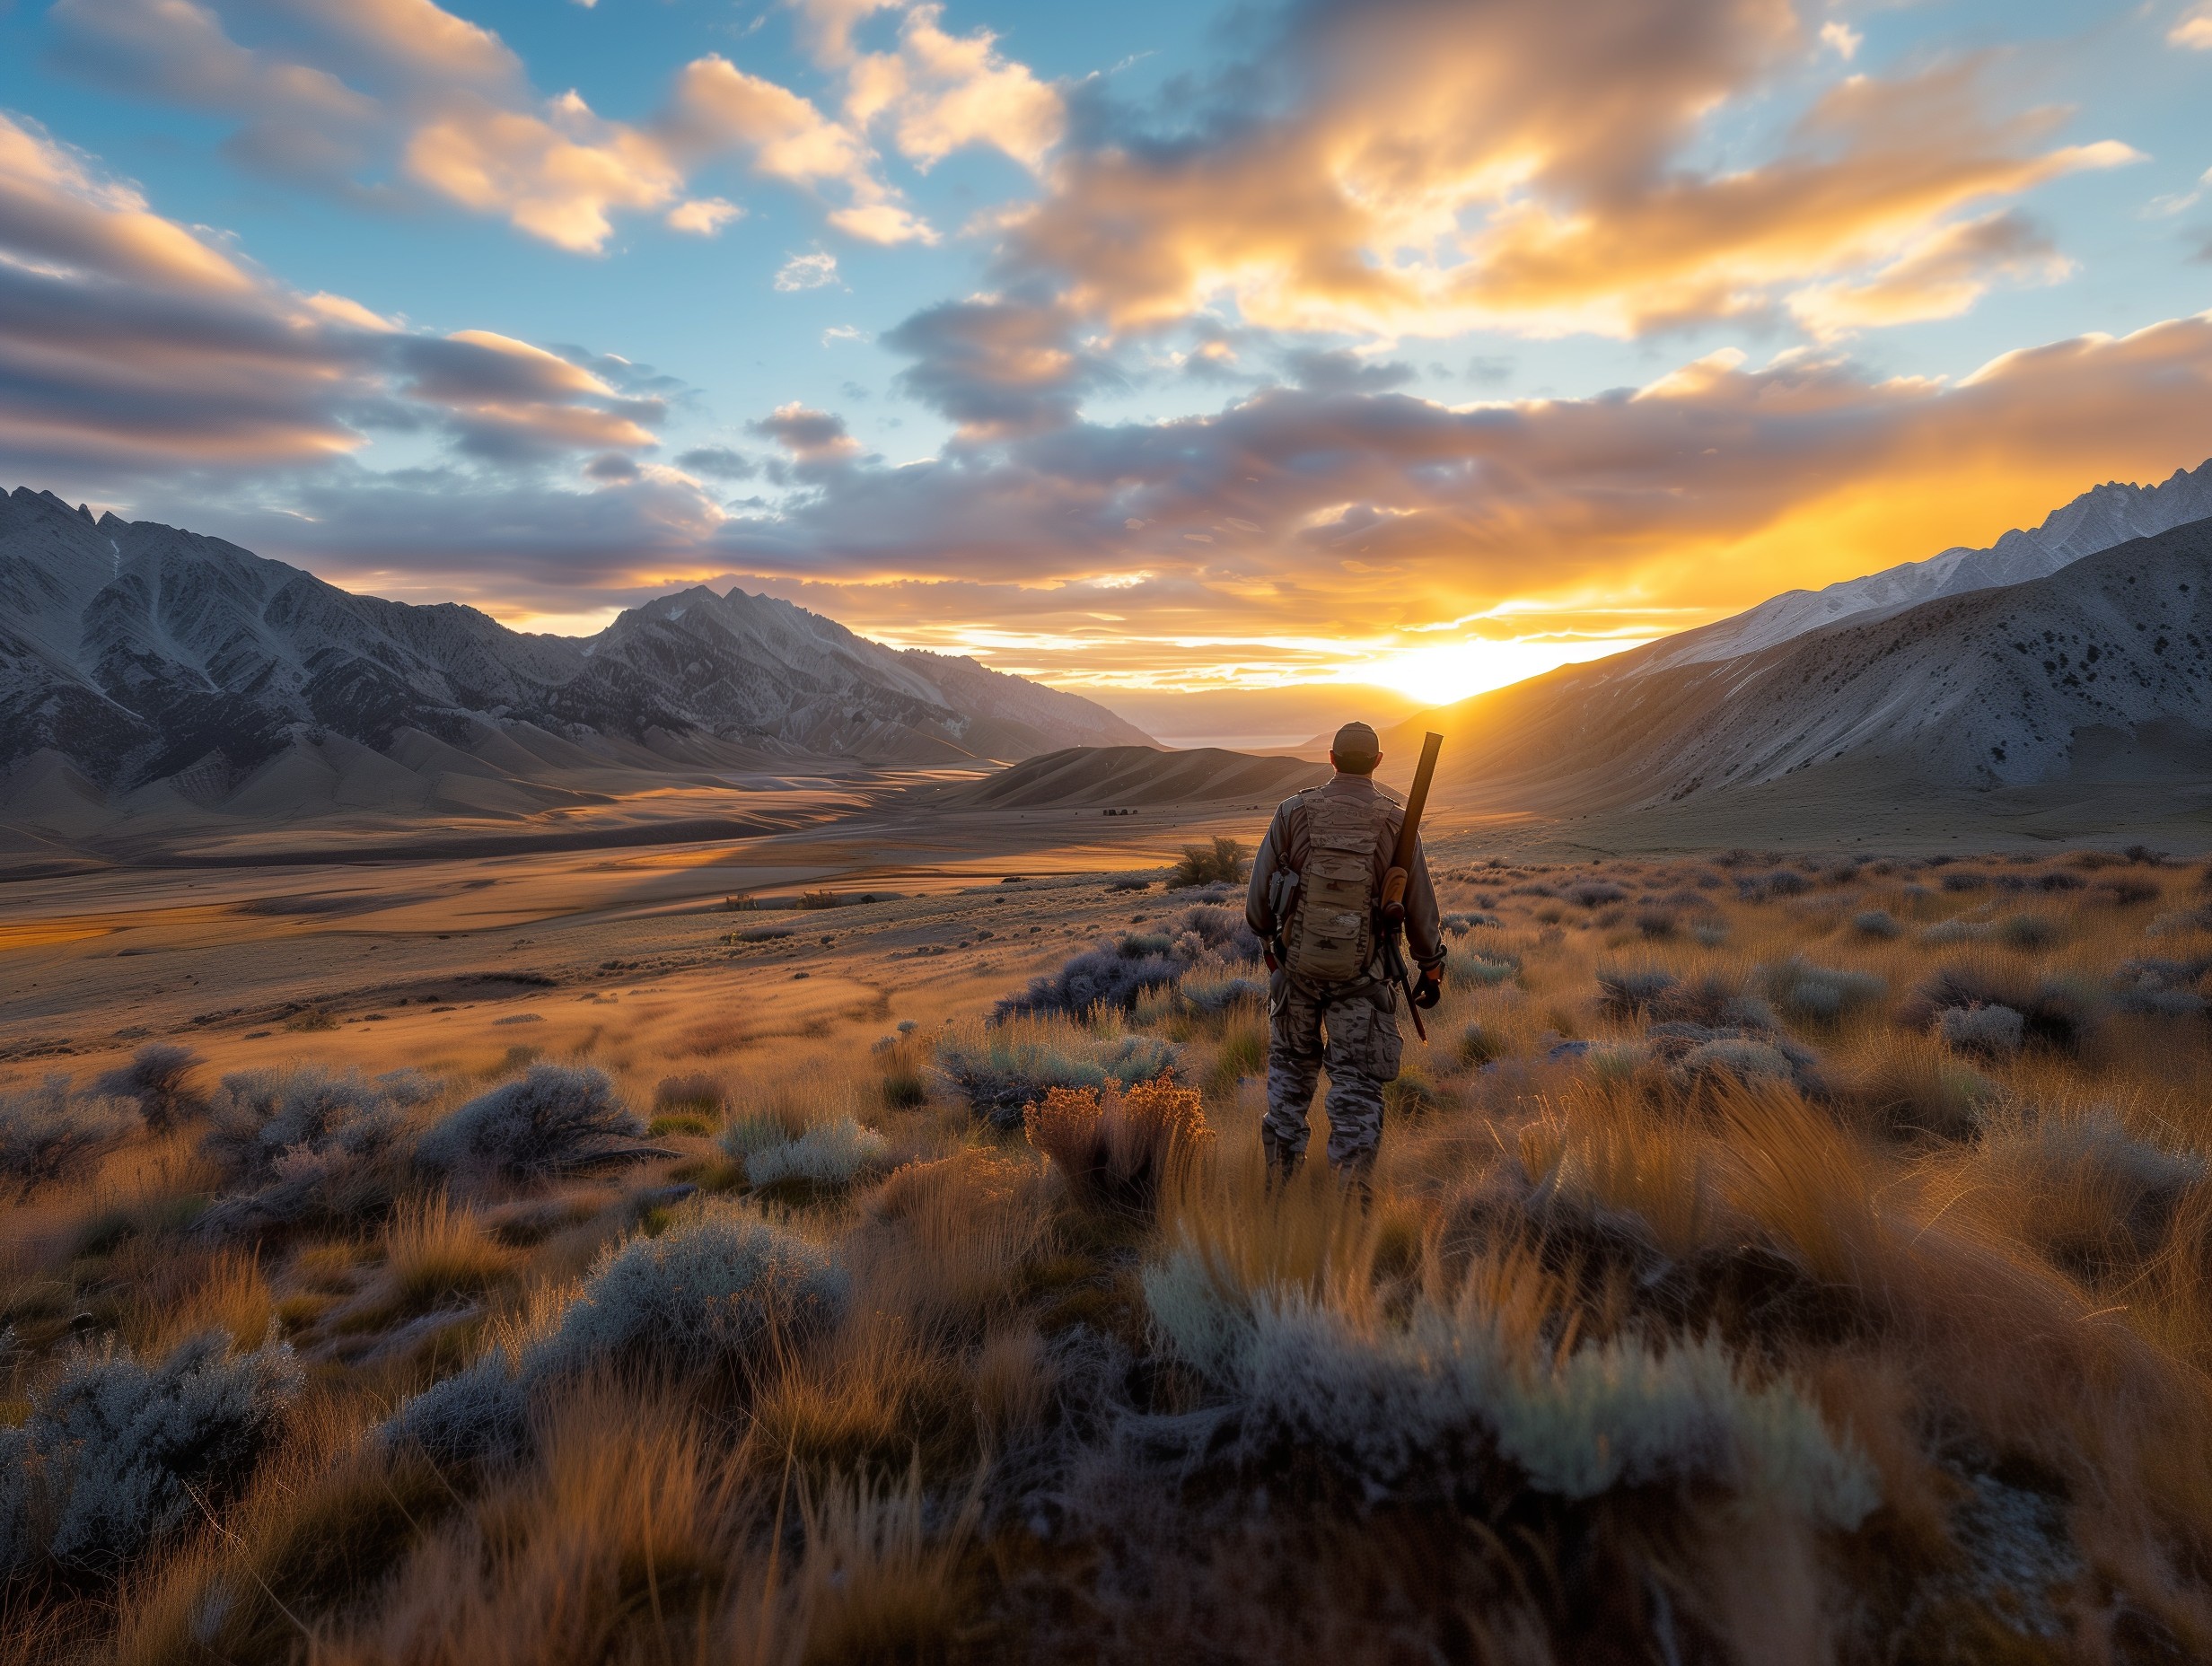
1775,1257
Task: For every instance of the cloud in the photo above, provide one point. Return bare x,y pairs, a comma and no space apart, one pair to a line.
718,106
1338,371
2194,28
940,93
996,366
1295,514
132,346
718,462
814,270
373,96
702,218
1941,277
1839,38
1420,167
811,436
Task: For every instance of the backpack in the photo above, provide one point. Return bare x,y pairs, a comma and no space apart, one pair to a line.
1332,937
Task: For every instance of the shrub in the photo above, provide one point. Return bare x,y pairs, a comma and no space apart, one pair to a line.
1222,932
1117,1150
553,1119
1592,893
2158,987
1693,1053
2028,931
307,1144
1388,1402
1655,923
48,1134
833,1153
1221,863
159,1077
1915,1091
1214,996
1780,883
1713,1002
1629,990
109,1459
1819,994
2127,890
762,933
1003,1070
715,1290
1879,924
1112,978
1963,880
1945,933
1991,1032
1480,971
1478,1047
2054,1012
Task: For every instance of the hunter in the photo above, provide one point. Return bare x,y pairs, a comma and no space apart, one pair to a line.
1315,900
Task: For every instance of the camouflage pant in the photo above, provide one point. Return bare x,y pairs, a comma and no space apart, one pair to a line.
1360,1048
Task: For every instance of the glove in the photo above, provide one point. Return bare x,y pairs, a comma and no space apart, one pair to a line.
1428,991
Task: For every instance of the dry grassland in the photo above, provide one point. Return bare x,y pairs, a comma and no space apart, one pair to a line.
1769,1261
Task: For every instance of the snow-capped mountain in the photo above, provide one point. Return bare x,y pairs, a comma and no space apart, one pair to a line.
2100,517
138,651
1992,688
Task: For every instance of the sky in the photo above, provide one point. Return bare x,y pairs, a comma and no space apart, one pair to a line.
1149,349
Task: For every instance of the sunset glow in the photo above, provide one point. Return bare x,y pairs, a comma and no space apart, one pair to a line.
1430,346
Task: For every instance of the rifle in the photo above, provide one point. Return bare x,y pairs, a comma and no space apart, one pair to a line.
1393,908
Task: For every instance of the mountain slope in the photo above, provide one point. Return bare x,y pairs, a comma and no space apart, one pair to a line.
137,652
2100,517
1996,687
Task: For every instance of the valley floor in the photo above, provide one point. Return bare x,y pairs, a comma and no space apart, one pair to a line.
851,1244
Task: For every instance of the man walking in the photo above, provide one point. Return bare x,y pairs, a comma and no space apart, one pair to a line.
1316,901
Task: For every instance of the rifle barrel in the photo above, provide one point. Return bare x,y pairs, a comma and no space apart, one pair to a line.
1417,801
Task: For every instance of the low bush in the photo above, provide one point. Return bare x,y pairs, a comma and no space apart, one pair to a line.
1199,932
1656,925
2128,890
307,1144
1878,924
1780,883
1478,971
552,1120
47,1132
2159,987
1477,1046
1988,1032
1117,1149
1914,1089
2054,1012
1381,1399
1627,991
716,1289
1112,978
1820,994
1593,893
1221,863
2028,931
1694,1053
830,1154
111,1456
1215,996
1000,1071
159,1079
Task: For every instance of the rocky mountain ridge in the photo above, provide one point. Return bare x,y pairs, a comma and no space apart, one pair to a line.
1995,687
139,652
2104,515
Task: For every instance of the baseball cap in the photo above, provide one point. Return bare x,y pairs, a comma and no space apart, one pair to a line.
1356,741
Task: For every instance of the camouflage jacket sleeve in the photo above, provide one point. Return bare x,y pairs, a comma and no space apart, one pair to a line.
1257,914
1424,925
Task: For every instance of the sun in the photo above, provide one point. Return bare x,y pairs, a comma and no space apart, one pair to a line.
1453,671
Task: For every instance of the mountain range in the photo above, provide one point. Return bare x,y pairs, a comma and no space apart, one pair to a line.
138,652
2091,654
